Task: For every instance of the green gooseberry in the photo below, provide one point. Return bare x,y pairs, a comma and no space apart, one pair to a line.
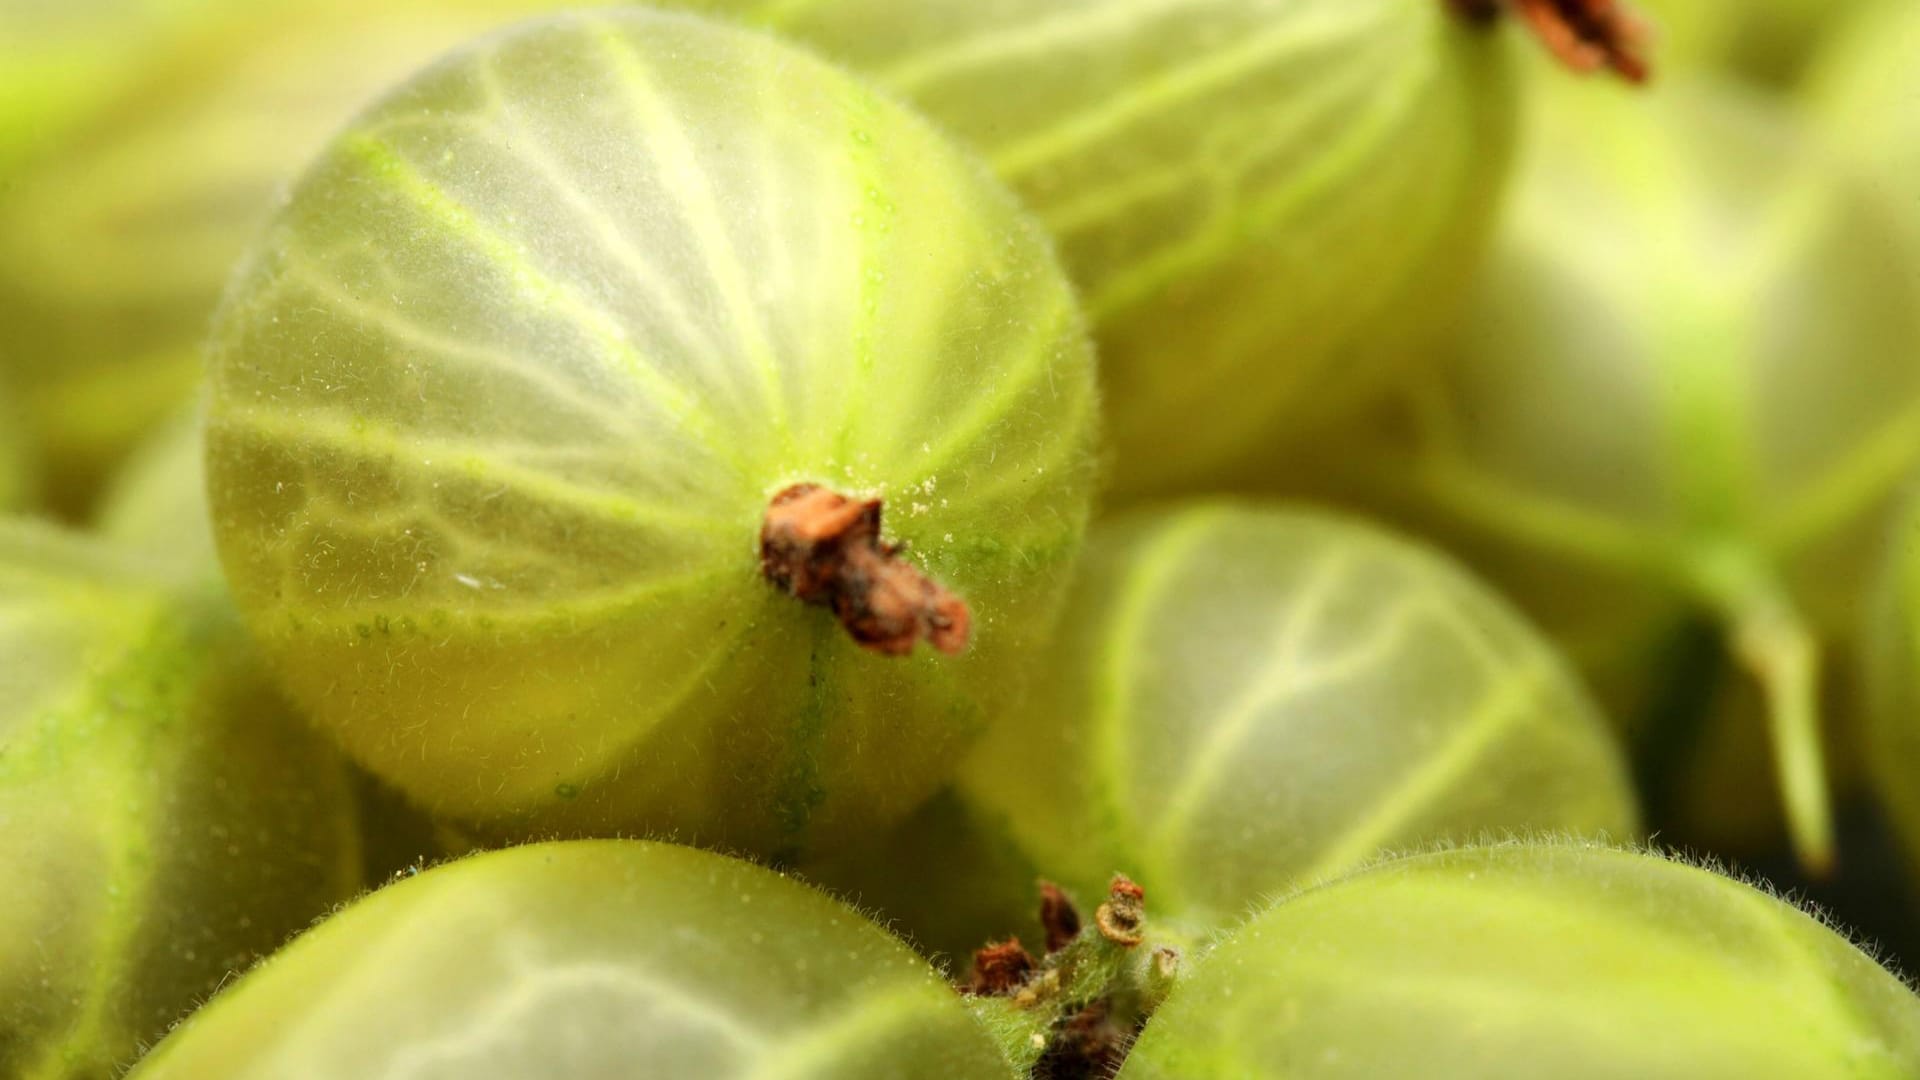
152,138
1246,699
1688,388
588,959
1861,91
165,820
1771,41
1267,206
563,352
1530,960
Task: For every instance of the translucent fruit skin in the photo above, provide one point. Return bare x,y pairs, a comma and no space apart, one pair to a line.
1530,961
1690,383
591,960
1267,205
142,143
165,821
1246,700
500,401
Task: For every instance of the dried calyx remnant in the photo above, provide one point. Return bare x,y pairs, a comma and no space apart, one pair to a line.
825,549
1587,35
1093,990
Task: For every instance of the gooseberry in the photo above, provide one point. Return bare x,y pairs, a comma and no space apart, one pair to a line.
141,144
1688,386
1266,206
609,958
1527,960
165,820
1246,698
573,365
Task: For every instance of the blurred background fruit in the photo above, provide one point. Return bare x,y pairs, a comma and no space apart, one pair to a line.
166,821
1533,960
142,143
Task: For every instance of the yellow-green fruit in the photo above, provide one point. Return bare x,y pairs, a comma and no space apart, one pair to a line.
165,822
1863,91
591,960
501,399
1766,40
1532,960
131,202
1689,385
1267,205
1246,699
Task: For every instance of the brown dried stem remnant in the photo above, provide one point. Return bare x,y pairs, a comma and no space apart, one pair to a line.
1058,915
1587,35
825,549
1122,919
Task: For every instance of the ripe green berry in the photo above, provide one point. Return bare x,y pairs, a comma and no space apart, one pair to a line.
1688,388
165,820
147,140
1768,40
1244,700
588,959
1533,960
1266,206
534,403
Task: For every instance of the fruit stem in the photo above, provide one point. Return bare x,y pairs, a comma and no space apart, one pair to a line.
1586,35
1074,1012
1772,640
825,549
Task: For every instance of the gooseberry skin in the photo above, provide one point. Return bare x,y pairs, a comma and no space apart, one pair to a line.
1246,698
1533,960
500,402
165,820
142,142
1268,208
1688,388
587,959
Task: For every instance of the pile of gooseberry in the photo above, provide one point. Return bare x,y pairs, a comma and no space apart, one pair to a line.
959,539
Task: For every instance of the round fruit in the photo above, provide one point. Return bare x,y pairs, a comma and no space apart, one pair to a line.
1769,40
1245,700
588,959
1267,206
165,821
533,410
1533,960
1689,386
149,138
